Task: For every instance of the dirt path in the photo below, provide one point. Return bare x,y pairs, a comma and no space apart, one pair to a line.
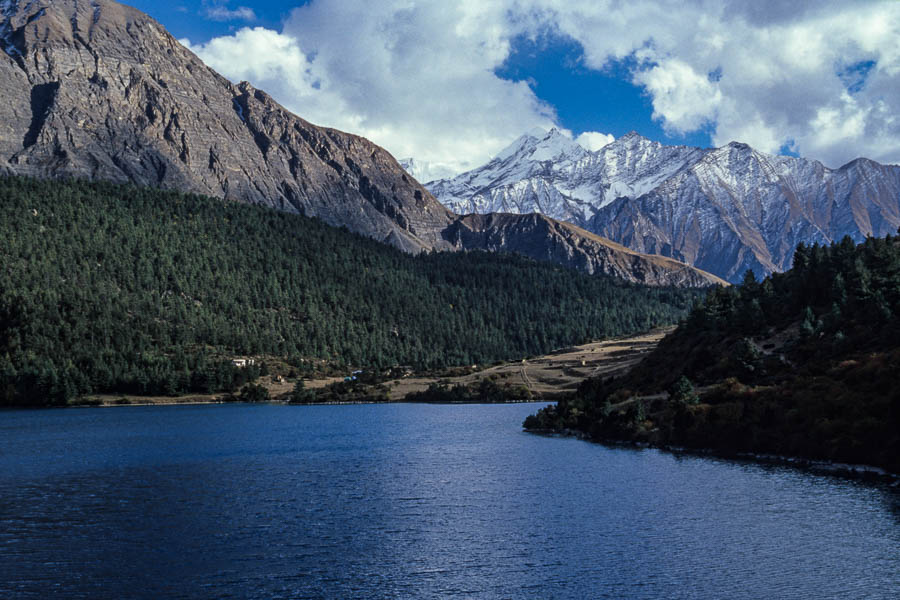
526,378
555,373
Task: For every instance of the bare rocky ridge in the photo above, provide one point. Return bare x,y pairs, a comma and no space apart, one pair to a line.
94,89
543,238
99,90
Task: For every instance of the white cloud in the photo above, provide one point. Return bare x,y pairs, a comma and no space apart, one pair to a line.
260,55
767,73
418,77
593,140
682,98
217,10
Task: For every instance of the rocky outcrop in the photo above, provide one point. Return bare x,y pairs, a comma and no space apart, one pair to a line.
542,238
94,89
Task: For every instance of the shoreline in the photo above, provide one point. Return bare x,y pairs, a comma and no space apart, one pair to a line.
547,378
822,467
269,402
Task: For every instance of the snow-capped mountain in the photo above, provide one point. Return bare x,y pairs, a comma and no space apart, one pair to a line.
724,210
549,173
539,172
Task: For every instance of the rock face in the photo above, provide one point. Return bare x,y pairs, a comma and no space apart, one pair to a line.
95,89
737,209
724,210
543,238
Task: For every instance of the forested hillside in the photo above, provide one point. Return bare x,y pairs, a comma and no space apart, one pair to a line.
107,288
804,363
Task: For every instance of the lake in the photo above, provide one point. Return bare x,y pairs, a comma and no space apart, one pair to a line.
412,501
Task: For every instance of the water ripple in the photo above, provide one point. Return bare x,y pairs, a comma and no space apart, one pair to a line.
412,502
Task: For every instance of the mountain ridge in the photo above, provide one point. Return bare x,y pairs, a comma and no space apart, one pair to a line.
724,210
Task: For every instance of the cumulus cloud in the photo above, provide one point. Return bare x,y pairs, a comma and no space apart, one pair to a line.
416,78
683,99
593,140
768,73
420,77
260,55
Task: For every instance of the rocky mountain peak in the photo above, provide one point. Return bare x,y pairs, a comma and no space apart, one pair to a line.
31,25
541,146
99,90
631,147
734,154
631,137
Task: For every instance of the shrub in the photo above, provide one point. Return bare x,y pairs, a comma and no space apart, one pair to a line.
254,393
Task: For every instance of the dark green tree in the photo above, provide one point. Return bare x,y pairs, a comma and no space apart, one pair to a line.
682,392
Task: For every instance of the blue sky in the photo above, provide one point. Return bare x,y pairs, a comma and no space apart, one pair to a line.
191,19
452,83
587,99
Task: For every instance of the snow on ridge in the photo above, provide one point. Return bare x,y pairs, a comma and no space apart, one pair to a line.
515,147
7,10
555,145
552,174
724,196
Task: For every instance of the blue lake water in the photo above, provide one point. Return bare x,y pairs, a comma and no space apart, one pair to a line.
412,501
